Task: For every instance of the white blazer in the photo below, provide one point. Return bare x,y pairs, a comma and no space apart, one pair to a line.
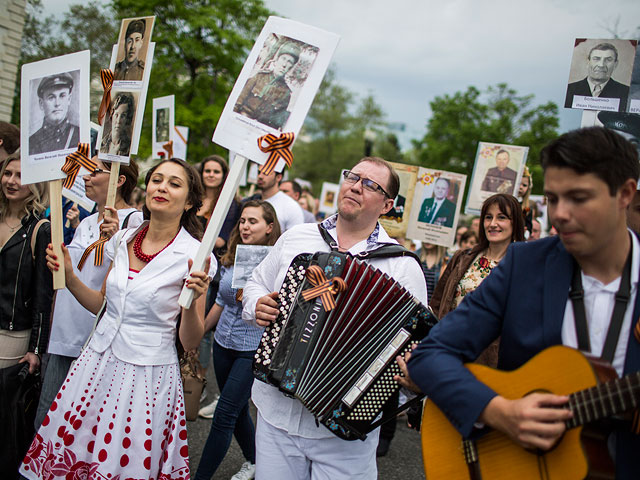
140,320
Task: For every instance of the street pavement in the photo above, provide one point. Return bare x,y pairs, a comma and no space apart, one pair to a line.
403,462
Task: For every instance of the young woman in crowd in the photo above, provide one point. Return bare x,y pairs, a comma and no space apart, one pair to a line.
235,342
213,173
25,296
71,323
501,223
120,411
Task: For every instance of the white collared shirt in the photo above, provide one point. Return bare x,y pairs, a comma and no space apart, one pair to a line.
599,300
284,412
593,85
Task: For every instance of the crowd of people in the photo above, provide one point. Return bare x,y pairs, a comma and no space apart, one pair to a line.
111,400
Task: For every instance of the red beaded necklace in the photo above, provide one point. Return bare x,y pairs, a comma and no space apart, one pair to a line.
137,246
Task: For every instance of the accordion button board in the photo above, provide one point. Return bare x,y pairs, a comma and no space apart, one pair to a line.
340,363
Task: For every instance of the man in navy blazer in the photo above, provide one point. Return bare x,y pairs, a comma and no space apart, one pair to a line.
525,300
602,61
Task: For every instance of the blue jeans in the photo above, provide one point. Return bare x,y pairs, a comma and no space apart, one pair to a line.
235,377
55,372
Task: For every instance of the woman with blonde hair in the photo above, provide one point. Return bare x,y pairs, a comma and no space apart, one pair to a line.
25,293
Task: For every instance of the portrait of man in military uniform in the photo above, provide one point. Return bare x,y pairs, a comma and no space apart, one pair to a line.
58,131
266,95
131,67
162,125
501,178
117,130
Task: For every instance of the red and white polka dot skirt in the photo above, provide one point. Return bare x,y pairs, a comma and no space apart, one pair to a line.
113,420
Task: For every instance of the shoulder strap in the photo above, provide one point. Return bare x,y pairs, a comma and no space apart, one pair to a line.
126,219
34,236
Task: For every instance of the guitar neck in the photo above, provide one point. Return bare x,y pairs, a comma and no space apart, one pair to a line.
604,400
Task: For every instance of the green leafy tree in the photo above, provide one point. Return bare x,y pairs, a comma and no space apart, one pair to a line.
201,46
499,115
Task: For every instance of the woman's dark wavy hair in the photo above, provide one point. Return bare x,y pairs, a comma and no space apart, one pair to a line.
189,220
270,217
509,205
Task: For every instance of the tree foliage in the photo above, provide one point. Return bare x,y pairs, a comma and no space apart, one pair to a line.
499,115
201,46
333,135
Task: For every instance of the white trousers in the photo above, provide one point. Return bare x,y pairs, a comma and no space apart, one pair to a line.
289,457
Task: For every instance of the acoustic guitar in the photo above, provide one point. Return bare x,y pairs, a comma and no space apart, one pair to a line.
595,394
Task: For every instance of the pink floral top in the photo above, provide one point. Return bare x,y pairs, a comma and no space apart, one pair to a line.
478,271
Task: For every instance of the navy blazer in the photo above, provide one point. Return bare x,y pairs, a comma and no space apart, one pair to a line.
523,301
612,89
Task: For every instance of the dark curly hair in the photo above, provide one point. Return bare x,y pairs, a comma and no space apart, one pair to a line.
189,220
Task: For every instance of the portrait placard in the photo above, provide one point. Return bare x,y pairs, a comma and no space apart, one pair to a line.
276,86
395,221
248,257
625,124
131,57
180,140
115,143
329,198
54,114
634,88
77,192
600,74
437,199
497,169
162,125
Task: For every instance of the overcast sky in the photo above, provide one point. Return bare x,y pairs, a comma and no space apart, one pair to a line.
406,52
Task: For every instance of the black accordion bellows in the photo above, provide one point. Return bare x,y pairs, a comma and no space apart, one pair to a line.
340,364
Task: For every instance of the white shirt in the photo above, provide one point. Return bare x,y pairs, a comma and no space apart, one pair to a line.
599,300
72,323
288,210
139,323
284,412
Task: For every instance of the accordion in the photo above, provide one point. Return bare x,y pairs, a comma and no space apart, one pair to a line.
340,363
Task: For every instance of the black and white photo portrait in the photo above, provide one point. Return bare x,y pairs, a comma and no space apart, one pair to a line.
162,125
58,108
132,49
118,127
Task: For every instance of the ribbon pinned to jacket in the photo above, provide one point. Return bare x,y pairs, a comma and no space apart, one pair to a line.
323,288
277,147
73,162
168,147
106,76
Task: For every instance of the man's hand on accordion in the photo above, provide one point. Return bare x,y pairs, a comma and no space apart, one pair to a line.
267,309
405,380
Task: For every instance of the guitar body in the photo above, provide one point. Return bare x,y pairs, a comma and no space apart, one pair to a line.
581,453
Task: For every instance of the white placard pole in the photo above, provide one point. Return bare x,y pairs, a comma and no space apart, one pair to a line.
215,223
114,175
57,235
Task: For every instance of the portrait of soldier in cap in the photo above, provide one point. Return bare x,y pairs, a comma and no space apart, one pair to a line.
265,97
162,125
58,132
131,67
117,130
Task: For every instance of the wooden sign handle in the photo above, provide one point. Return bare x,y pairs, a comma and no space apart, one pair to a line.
114,174
215,223
57,233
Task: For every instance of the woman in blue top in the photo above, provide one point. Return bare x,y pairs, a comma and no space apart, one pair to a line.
235,342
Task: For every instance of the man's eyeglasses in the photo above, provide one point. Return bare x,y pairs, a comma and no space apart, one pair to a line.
97,171
367,184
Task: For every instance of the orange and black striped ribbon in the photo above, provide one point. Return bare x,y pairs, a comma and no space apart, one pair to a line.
168,147
323,288
106,76
98,246
636,330
75,160
277,147
635,422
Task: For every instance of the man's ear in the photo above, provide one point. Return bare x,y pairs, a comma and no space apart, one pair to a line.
388,204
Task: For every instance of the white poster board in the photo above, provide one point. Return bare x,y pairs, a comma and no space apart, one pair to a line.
276,86
54,114
163,125
248,257
180,141
328,203
437,199
497,169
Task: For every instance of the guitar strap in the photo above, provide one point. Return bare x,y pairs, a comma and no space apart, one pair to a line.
622,299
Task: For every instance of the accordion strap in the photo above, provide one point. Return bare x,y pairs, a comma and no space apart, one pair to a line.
386,250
